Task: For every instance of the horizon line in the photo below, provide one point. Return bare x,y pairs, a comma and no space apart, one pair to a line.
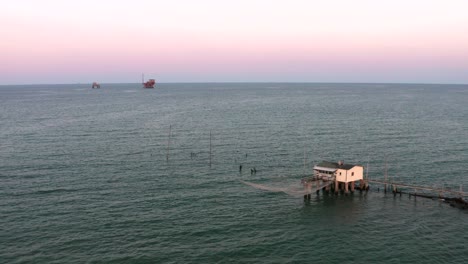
238,82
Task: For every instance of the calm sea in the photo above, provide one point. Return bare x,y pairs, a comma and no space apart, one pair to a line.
91,175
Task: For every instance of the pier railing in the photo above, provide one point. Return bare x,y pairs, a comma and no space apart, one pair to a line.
423,188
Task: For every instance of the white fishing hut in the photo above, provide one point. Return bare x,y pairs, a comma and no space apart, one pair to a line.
344,175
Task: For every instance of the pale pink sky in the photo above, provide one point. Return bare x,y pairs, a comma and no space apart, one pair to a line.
52,41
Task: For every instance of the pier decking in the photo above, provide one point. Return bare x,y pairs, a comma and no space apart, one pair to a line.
398,185
454,197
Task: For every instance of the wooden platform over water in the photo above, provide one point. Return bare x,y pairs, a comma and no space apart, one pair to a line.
440,191
455,198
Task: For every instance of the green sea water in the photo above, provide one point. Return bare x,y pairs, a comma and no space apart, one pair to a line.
92,176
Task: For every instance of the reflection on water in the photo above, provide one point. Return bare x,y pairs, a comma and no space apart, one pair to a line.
84,175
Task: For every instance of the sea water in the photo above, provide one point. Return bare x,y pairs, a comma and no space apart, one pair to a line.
124,174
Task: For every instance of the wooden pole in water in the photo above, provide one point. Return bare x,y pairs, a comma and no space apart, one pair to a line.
367,171
337,186
168,143
304,159
366,182
210,148
386,175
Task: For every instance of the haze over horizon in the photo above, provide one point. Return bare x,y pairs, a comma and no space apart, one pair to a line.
364,41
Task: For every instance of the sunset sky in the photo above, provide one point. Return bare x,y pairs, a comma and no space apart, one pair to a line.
59,41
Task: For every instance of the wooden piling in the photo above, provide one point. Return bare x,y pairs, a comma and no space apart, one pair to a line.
210,148
385,176
168,143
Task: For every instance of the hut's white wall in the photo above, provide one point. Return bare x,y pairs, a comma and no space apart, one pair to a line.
353,174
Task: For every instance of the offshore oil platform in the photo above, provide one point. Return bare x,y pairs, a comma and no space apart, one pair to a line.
95,85
148,84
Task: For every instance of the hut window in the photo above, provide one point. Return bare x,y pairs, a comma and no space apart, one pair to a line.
340,173
352,173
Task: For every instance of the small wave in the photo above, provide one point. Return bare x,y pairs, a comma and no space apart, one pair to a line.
58,190
133,153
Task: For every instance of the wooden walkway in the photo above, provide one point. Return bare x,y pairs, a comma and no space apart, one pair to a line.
315,186
459,193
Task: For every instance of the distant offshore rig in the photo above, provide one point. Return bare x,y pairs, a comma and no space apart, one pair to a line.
148,84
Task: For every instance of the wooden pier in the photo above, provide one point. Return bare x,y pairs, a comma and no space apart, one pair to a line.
455,198
395,186
452,197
